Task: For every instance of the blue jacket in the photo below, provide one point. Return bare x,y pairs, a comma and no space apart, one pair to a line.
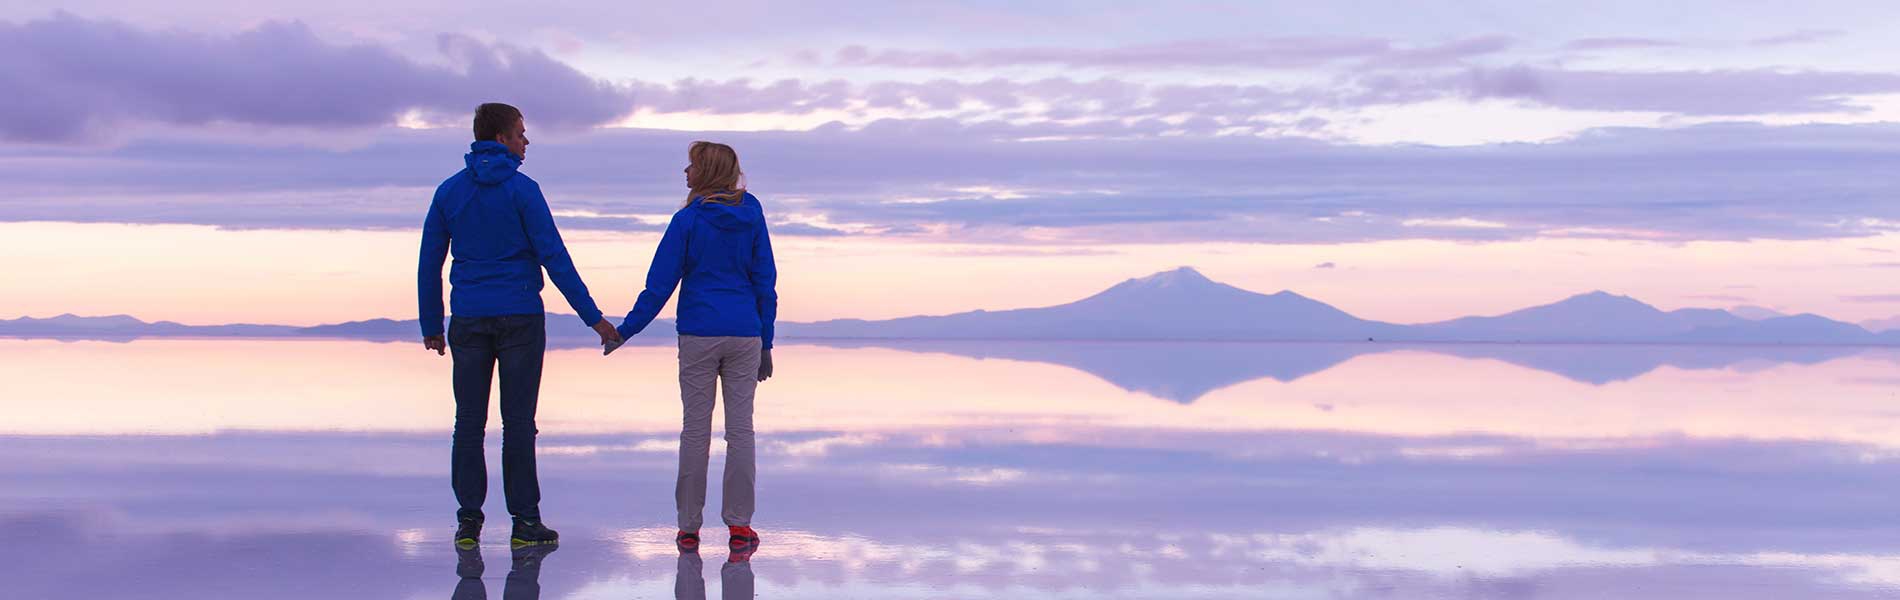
720,256
503,236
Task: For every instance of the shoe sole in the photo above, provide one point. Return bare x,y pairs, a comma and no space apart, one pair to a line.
467,543
521,543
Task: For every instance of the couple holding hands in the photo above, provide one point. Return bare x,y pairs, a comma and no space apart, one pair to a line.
497,225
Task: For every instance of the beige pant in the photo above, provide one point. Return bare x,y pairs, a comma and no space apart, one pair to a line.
733,364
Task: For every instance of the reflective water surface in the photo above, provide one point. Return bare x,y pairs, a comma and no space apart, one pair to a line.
290,469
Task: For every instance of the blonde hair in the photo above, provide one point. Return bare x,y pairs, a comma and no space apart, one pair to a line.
714,175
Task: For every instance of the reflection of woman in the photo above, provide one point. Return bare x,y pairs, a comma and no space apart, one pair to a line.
717,251
735,577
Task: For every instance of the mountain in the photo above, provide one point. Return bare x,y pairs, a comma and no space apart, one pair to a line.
1177,305
1756,313
1797,329
1181,304
563,331
1596,316
1881,325
123,327
126,327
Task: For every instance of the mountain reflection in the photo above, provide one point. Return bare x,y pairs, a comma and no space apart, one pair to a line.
1186,371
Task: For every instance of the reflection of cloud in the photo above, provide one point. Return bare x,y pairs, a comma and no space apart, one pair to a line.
1442,551
951,474
1454,452
592,449
824,445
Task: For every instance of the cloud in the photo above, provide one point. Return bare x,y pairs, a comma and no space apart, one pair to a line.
1618,43
72,83
1716,92
1135,108
1874,299
1805,36
72,78
1325,265
1290,52
1004,183
806,230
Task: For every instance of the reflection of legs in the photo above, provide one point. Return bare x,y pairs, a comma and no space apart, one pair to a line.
699,370
689,583
524,575
473,346
468,568
735,579
739,379
521,347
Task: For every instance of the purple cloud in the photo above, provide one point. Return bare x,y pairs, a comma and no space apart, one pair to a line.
1618,43
1806,36
1706,182
1730,92
72,77
72,82
1874,298
1222,106
1264,53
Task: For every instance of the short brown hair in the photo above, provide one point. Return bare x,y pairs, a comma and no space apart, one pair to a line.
493,119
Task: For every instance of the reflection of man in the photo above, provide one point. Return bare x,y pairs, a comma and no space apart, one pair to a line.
502,233
524,574
735,577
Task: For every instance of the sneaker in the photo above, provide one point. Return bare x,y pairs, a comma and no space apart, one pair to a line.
743,536
533,533
688,541
468,533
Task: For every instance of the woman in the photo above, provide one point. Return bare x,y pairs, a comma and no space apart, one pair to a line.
717,251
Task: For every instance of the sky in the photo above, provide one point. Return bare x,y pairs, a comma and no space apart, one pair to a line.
1405,161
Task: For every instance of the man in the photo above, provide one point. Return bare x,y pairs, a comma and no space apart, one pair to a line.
499,227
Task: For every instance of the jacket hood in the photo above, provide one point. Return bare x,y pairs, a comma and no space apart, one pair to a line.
748,214
490,162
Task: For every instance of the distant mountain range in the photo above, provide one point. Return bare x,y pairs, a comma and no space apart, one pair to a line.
1177,305
1184,305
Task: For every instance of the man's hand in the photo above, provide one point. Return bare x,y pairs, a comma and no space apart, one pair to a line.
765,364
608,336
436,343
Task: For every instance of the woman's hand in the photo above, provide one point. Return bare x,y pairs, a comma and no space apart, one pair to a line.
765,364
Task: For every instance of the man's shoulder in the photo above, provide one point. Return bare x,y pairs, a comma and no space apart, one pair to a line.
524,189
461,177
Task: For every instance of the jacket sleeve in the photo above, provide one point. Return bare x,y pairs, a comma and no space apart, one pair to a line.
764,274
538,220
669,264
435,250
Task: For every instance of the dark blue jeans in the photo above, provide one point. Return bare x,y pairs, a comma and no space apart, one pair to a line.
516,342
